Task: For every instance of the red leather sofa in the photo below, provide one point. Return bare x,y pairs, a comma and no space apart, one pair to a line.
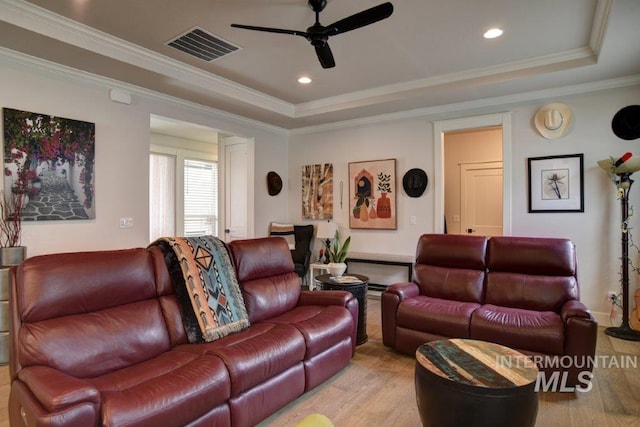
97,339
521,292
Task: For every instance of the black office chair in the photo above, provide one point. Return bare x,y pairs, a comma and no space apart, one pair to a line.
302,253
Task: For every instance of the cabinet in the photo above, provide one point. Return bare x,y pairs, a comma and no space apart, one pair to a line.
9,257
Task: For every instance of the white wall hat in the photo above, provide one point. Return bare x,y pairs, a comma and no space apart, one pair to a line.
553,120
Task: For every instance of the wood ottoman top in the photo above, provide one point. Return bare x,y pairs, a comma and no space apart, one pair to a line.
477,363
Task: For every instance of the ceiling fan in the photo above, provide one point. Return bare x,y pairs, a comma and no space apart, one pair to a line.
317,34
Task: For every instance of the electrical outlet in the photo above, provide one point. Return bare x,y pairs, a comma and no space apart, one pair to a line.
612,296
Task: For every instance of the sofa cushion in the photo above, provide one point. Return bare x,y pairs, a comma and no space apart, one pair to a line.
531,273
532,255
538,331
75,283
450,283
74,308
436,316
171,389
452,251
267,278
256,354
322,327
539,293
451,266
94,344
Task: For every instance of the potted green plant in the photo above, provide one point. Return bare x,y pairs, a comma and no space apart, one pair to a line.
337,255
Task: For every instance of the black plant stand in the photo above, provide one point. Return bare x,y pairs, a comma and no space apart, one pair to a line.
624,331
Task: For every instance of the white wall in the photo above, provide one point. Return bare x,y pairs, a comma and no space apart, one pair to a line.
122,152
596,232
122,146
408,141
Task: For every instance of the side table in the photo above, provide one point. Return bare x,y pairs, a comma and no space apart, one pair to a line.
312,268
358,290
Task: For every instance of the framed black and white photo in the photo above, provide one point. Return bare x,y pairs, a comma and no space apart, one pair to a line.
556,183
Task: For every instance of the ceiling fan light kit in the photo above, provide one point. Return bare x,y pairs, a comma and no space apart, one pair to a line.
318,35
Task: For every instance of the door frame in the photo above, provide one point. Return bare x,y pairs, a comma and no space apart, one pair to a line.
468,123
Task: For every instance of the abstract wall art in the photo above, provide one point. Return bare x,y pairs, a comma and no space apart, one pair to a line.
317,191
372,194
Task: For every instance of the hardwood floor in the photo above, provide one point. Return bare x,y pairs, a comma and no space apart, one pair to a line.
377,389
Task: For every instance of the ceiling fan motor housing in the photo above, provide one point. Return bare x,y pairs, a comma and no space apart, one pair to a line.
317,5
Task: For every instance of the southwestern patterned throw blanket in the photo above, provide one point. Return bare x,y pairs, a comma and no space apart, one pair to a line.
206,286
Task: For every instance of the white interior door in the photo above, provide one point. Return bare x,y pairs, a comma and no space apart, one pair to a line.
236,191
481,198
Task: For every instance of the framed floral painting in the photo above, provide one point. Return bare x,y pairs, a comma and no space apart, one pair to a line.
49,166
372,195
556,183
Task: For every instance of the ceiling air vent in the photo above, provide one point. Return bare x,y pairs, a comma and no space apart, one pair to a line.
203,45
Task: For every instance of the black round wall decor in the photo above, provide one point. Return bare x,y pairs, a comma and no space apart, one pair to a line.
415,182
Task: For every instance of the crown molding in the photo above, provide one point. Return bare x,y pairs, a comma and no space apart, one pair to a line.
600,23
71,74
469,106
74,75
552,62
44,22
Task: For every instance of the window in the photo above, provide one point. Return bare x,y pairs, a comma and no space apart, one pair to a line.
162,195
200,198
183,193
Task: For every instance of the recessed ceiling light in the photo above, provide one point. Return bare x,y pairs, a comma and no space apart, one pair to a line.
304,80
493,33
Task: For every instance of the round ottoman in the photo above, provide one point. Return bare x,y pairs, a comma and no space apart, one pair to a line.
462,382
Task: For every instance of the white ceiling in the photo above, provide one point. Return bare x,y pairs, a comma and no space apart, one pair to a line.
428,54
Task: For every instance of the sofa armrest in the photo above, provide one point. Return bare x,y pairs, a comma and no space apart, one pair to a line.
404,290
325,298
44,396
574,308
389,302
580,336
56,390
340,298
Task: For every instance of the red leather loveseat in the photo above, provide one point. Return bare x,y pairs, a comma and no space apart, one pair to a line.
521,292
97,339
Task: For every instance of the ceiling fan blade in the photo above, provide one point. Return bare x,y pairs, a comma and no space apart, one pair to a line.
271,30
325,56
361,19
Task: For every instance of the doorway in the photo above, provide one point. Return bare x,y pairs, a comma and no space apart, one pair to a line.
480,198
443,173
181,147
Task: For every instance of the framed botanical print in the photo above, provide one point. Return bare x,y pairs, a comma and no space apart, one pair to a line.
372,195
556,183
